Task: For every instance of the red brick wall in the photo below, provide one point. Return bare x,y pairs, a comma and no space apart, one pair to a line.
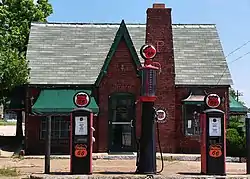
117,81
159,33
191,144
35,145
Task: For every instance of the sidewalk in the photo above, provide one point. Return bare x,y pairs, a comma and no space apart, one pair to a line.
115,169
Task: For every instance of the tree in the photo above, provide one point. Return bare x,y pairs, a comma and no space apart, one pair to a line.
15,22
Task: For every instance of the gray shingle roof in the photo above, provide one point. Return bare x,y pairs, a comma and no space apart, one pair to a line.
75,53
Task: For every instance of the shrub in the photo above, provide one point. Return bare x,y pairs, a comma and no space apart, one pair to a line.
235,143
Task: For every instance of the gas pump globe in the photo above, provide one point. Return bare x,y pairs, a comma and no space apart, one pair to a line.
149,72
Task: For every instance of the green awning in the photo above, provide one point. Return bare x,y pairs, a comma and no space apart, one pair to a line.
236,107
59,101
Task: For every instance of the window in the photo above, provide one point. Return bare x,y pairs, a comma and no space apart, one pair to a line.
60,127
191,113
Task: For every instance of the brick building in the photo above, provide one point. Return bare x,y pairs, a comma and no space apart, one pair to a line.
102,60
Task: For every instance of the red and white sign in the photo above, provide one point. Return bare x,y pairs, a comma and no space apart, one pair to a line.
161,115
81,99
148,51
213,100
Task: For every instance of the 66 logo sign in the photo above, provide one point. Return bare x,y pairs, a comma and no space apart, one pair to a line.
81,151
161,115
213,100
81,99
148,52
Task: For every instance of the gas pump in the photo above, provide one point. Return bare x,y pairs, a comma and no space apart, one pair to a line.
213,138
81,137
146,156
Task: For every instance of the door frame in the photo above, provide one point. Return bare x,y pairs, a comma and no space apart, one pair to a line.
133,130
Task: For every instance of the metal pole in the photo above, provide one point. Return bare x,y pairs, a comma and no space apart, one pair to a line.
147,161
247,123
47,145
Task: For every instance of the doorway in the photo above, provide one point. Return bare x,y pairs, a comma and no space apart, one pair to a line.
122,122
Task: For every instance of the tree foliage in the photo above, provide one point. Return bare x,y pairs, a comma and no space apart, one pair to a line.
236,138
15,21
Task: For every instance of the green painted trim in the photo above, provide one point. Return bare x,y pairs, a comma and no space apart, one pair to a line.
121,33
193,102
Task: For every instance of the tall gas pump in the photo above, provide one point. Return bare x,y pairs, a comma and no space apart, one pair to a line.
213,137
147,150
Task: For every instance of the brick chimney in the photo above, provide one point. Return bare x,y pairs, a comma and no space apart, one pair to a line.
159,34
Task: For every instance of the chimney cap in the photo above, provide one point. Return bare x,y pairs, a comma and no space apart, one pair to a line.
159,5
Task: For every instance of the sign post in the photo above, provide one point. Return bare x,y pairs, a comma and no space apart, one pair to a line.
247,124
147,149
213,139
48,145
81,136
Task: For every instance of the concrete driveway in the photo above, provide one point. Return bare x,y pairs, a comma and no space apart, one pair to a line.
9,130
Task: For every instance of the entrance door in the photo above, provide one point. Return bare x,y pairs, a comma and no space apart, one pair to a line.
122,122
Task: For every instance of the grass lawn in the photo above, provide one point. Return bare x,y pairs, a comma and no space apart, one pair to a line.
6,123
8,172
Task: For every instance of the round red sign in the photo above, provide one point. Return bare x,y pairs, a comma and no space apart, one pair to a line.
148,51
213,100
81,99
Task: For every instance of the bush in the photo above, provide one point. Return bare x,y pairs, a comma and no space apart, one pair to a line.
236,143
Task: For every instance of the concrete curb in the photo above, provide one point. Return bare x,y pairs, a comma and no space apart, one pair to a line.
123,176
106,156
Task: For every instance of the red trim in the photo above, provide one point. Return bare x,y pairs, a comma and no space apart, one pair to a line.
203,120
91,142
147,98
225,148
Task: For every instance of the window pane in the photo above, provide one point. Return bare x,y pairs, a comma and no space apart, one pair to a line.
56,124
192,119
64,129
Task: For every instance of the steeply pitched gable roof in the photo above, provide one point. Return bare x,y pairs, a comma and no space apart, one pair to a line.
122,33
75,53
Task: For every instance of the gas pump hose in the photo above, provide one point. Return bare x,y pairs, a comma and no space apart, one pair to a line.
159,144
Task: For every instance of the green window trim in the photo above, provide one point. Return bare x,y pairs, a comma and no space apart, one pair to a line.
59,101
193,102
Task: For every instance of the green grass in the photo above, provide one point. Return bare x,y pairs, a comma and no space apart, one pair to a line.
6,123
9,172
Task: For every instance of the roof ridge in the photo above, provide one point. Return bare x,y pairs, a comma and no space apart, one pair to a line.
81,24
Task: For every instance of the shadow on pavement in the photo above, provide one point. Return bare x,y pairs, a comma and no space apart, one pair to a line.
116,173
58,173
106,172
189,173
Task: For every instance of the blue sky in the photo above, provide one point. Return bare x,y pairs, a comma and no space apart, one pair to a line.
232,18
